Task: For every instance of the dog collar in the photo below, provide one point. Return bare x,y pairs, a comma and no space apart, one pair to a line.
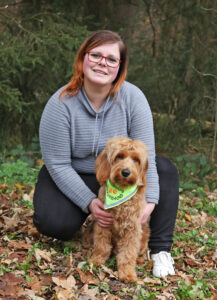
115,195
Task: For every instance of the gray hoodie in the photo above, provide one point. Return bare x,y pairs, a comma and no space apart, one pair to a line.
72,134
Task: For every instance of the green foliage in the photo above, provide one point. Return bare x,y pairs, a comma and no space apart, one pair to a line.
27,154
208,206
69,247
111,262
18,172
194,170
168,60
199,290
26,265
36,57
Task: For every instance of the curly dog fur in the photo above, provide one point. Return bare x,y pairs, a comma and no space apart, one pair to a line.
126,234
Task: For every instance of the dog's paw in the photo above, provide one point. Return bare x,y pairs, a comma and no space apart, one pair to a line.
127,277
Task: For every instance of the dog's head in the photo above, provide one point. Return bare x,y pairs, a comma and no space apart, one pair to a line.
123,161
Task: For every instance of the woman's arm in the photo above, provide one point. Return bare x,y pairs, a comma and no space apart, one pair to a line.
55,141
141,127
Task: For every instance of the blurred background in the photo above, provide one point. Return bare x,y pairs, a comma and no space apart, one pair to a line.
172,57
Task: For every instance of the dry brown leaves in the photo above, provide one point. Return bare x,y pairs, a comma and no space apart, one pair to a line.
33,267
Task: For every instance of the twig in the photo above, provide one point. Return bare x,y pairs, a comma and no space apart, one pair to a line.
211,98
208,9
205,74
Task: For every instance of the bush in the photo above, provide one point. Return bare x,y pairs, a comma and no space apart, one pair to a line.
18,172
34,63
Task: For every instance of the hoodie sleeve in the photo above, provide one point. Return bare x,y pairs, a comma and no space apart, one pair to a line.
55,141
141,127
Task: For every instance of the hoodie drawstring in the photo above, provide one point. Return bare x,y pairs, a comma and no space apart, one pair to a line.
95,128
100,132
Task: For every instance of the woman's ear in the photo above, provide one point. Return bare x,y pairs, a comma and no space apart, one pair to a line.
102,167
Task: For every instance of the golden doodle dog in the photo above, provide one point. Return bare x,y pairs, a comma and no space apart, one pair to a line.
121,171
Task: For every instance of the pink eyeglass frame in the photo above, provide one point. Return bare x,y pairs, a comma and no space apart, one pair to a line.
104,57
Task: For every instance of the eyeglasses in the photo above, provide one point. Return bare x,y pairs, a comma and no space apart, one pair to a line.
112,62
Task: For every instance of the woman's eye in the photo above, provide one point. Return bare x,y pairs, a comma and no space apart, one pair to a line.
112,60
120,156
94,55
136,159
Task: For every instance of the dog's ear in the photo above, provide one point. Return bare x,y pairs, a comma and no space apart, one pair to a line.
143,174
145,169
102,167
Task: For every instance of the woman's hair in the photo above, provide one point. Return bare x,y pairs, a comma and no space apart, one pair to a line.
94,40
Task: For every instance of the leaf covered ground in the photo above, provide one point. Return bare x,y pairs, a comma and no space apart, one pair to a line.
36,267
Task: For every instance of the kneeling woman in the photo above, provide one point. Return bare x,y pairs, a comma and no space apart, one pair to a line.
78,120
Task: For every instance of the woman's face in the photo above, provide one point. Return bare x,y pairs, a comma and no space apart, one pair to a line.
100,73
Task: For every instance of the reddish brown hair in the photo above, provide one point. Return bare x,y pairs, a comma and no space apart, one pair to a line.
94,40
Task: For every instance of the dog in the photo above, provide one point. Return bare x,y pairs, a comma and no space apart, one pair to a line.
121,167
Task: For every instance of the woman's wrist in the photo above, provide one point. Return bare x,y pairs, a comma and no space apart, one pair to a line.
90,206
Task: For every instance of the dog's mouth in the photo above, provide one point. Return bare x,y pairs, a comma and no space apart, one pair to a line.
124,181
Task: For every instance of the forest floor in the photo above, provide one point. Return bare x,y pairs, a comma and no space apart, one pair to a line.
33,266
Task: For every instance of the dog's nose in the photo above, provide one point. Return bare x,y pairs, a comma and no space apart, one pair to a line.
125,172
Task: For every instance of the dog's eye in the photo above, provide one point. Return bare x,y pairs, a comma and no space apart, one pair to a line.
120,156
136,159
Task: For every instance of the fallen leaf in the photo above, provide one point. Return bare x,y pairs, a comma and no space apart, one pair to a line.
65,295
26,197
101,275
149,280
33,232
9,261
81,264
67,284
42,254
111,297
166,296
36,285
19,186
18,245
9,285
11,223
46,279
200,219
87,277
90,294
188,217
3,186
190,262
31,295
111,273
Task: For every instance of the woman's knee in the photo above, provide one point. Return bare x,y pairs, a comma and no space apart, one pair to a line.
166,166
60,229
54,220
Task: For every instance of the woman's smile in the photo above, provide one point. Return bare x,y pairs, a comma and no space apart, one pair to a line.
101,72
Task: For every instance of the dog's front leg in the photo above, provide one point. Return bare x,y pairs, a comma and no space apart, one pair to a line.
144,241
128,249
102,245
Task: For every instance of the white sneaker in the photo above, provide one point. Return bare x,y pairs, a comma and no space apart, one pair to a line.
162,264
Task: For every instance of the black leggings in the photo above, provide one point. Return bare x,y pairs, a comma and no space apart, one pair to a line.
58,217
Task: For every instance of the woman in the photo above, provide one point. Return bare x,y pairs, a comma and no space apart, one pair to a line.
96,105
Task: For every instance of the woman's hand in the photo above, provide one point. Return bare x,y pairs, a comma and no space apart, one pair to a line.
147,212
103,218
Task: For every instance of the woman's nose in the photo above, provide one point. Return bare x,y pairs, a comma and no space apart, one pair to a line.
103,61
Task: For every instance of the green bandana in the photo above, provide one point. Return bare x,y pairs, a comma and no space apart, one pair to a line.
116,195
